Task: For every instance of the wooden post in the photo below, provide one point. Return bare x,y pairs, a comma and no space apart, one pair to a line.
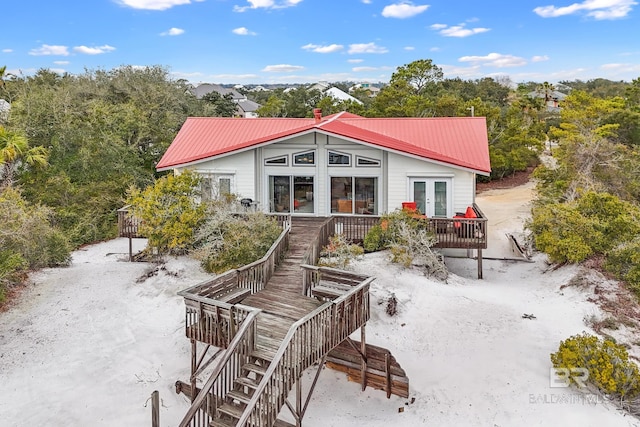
194,350
387,371
155,409
299,402
479,263
363,350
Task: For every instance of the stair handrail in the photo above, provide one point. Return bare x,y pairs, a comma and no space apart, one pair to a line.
333,340
246,331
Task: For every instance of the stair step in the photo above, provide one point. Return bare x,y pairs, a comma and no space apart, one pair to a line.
240,396
222,423
252,367
248,382
233,410
263,354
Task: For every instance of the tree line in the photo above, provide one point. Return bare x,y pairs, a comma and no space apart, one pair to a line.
73,146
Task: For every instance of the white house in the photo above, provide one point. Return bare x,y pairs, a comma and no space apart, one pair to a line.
340,164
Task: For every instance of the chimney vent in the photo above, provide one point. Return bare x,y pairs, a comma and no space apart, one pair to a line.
317,114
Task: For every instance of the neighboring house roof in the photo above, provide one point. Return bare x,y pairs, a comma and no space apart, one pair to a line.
205,88
554,95
248,106
457,141
341,95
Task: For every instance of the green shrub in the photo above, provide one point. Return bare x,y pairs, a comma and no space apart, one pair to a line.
386,232
226,240
339,252
624,262
608,364
591,225
170,212
12,268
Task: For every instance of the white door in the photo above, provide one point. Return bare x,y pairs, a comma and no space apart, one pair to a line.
432,196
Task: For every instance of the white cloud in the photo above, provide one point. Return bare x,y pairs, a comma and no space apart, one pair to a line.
403,10
172,32
323,49
266,4
495,60
242,31
366,1
361,69
46,49
154,4
61,62
597,9
539,58
366,48
7,50
458,30
409,48
355,61
282,68
94,50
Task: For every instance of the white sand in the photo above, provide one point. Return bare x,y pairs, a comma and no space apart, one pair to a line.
87,345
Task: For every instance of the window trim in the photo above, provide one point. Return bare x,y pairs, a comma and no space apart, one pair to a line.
271,159
330,152
300,153
376,162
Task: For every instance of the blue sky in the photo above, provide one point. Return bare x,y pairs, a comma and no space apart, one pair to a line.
298,41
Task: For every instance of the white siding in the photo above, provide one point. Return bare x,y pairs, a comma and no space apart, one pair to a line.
402,169
241,166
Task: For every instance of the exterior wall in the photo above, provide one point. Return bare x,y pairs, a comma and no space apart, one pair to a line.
250,173
240,166
402,169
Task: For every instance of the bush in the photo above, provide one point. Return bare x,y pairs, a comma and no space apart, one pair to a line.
591,225
28,239
170,212
608,364
409,242
624,262
226,240
339,252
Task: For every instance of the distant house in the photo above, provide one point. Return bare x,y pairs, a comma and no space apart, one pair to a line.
341,95
246,108
553,98
373,90
340,164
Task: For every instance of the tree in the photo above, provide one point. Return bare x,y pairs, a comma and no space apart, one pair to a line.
223,105
421,75
14,153
169,212
273,107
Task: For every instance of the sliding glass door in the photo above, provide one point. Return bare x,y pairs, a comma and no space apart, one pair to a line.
354,195
291,194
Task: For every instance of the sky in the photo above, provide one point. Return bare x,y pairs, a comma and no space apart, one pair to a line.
305,41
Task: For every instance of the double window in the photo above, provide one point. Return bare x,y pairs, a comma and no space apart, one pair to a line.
354,195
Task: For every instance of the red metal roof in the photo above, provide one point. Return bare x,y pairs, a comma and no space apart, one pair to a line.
459,141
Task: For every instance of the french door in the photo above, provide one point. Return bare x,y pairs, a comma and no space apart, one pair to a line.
432,196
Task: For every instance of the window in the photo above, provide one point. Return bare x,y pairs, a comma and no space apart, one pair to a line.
339,159
365,161
291,194
216,186
306,158
354,195
277,161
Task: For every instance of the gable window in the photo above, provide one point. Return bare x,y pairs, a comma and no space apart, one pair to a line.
339,159
306,158
277,161
365,161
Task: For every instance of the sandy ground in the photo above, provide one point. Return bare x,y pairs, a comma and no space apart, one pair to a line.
88,344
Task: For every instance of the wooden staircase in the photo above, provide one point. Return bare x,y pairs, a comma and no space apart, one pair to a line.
273,335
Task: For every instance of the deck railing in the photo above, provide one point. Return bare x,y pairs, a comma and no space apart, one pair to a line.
127,223
222,379
252,277
307,341
462,233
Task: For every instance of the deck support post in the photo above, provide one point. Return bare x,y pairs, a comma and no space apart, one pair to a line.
479,263
194,355
363,360
300,409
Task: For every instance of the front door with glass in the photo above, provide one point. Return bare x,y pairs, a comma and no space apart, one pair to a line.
432,196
